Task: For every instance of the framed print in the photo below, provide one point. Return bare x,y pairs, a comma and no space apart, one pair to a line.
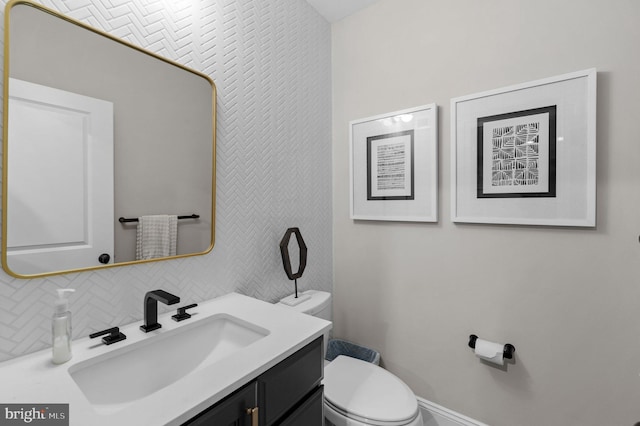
393,166
517,154
526,154
390,166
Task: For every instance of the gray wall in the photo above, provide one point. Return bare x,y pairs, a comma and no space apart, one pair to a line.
568,299
271,64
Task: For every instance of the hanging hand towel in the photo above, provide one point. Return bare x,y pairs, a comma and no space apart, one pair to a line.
157,236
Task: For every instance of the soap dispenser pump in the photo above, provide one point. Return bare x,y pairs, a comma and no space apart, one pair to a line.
61,327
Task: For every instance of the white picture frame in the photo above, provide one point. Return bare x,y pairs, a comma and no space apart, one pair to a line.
526,154
393,166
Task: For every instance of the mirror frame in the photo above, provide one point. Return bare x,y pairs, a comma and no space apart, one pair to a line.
5,132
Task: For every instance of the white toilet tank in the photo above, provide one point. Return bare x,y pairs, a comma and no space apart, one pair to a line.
310,302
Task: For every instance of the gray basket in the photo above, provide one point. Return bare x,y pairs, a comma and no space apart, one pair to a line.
337,347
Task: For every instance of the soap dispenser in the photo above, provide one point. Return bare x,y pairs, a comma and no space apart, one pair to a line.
61,327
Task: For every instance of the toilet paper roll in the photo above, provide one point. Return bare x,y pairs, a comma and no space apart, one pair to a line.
490,351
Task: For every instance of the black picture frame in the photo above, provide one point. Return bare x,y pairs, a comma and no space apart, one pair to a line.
481,121
370,141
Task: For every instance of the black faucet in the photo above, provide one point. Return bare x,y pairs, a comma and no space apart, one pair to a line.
151,300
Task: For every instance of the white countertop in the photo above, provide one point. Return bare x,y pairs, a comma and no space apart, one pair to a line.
34,379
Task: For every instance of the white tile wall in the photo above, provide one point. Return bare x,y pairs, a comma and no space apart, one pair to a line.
270,60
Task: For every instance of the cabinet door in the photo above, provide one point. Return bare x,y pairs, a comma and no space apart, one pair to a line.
288,383
231,411
310,413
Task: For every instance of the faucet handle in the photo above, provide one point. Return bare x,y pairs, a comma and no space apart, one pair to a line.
182,312
114,335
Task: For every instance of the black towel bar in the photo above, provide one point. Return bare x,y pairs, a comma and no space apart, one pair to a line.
191,216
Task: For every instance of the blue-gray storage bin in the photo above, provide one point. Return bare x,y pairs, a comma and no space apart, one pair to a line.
337,347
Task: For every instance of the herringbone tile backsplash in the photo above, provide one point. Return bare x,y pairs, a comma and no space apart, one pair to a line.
270,60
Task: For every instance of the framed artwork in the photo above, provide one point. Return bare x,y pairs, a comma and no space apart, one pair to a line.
526,154
390,159
517,154
393,166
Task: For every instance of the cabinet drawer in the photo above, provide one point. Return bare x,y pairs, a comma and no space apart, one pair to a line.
230,411
310,413
284,385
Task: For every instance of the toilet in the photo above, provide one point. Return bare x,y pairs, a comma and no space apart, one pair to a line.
356,392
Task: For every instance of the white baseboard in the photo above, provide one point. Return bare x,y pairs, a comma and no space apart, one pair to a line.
437,415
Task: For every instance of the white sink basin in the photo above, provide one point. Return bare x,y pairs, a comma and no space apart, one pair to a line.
114,380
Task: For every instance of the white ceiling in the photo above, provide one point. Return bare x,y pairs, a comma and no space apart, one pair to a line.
335,10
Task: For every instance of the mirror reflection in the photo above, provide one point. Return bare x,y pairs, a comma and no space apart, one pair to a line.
105,146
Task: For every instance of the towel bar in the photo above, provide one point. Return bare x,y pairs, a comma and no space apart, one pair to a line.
191,216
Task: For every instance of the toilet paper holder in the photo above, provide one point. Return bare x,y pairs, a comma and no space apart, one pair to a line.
509,349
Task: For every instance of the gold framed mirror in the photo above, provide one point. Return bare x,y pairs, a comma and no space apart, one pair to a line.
104,144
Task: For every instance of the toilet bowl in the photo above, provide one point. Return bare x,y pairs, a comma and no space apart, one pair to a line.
356,392
360,393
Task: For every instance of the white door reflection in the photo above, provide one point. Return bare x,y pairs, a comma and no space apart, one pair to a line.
60,201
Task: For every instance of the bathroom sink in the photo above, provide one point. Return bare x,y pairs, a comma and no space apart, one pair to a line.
113,380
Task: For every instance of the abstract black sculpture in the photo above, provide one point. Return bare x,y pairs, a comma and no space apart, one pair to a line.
286,259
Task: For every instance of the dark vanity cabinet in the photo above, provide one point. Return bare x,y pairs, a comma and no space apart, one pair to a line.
284,389
237,409
288,394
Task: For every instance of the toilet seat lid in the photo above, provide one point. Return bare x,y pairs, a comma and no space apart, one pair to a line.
368,391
